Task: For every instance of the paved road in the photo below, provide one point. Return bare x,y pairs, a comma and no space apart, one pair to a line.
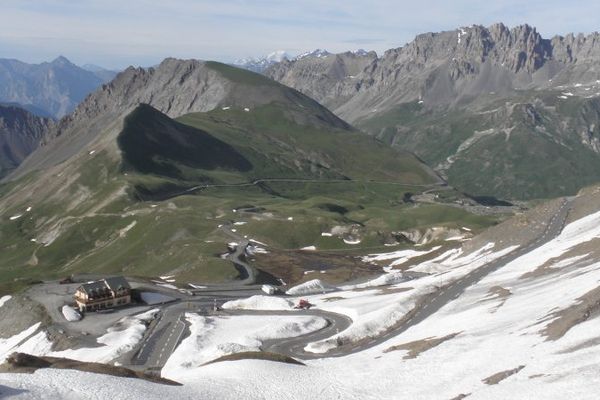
256,182
292,346
446,293
165,335
162,339
238,257
169,328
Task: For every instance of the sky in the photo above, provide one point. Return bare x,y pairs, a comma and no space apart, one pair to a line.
119,33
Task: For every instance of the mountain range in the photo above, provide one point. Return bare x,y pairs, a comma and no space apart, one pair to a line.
497,111
50,89
436,207
261,64
150,161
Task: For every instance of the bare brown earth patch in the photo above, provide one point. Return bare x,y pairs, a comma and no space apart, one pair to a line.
499,293
291,265
587,202
419,346
19,313
500,376
26,363
588,305
590,248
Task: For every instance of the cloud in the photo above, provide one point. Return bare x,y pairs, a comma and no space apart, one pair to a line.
118,33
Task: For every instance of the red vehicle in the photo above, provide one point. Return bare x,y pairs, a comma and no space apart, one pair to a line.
303,305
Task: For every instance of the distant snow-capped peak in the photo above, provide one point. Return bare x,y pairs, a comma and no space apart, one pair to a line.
277,56
261,63
318,53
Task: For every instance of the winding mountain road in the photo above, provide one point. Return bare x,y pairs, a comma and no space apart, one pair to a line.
166,333
443,296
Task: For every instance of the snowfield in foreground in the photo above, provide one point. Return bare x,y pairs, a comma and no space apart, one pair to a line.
529,330
214,337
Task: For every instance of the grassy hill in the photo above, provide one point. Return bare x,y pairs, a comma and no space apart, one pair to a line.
535,145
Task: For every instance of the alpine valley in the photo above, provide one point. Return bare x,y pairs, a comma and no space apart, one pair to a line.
420,224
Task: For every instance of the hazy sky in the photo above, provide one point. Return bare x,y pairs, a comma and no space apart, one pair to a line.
117,33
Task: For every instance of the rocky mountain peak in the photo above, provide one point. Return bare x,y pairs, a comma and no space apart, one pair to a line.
519,48
62,61
318,53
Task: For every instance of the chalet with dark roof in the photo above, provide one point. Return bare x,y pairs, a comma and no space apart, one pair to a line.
103,294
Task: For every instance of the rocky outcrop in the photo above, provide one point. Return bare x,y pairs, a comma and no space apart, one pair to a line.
20,133
441,69
324,76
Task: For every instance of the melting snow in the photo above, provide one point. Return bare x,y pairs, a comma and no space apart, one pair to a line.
4,299
491,335
197,286
259,302
166,285
400,256
124,231
70,313
310,287
211,338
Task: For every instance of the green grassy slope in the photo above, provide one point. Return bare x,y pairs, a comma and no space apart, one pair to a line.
307,151
529,147
103,213
152,143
